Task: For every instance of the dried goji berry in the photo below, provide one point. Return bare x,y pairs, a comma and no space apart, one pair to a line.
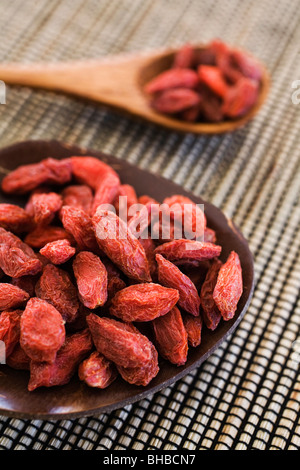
175,100
213,78
240,98
107,190
28,177
78,223
11,296
116,341
184,57
187,215
58,252
209,310
16,257
170,275
143,302
188,250
15,219
247,64
44,207
193,326
90,170
120,246
97,371
171,337
91,278
141,375
40,236
173,78
26,283
18,359
78,195
10,330
55,286
125,198
42,330
229,286
74,350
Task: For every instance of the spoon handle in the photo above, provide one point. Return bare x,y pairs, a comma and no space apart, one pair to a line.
112,82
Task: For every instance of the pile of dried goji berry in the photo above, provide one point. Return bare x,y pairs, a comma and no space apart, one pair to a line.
73,301
211,84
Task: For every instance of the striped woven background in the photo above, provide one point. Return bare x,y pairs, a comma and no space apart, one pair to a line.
246,395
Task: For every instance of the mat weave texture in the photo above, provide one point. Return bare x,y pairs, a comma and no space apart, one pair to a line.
246,395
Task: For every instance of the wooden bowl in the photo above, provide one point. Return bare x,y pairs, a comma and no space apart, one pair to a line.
76,399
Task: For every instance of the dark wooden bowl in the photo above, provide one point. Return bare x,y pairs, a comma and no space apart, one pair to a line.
76,399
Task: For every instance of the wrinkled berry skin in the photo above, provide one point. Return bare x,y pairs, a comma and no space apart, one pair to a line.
91,278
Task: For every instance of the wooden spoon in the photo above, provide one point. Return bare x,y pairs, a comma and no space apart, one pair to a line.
118,82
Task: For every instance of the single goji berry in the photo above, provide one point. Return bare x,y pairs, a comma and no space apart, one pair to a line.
229,286
90,170
42,330
28,177
143,302
55,286
141,375
40,236
209,310
78,223
170,276
213,78
74,350
173,78
188,250
120,246
91,278
15,219
16,257
18,359
107,190
175,100
171,337
58,252
118,343
78,195
97,371
11,296
10,330
193,326
240,98
44,207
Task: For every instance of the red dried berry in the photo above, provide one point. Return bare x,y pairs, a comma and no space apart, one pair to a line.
15,219
143,302
173,78
107,190
141,376
44,207
26,178
42,330
229,286
240,98
188,250
175,100
118,343
78,195
90,170
40,236
55,286
171,337
58,252
75,348
210,312
97,371
120,246
193,326
16,257
214,79
78,223
18,359
10,330
11,296
125,198
170,276
91,278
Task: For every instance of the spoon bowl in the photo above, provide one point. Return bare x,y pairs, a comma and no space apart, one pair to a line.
118,82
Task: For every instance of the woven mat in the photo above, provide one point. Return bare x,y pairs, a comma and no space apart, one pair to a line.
246,395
